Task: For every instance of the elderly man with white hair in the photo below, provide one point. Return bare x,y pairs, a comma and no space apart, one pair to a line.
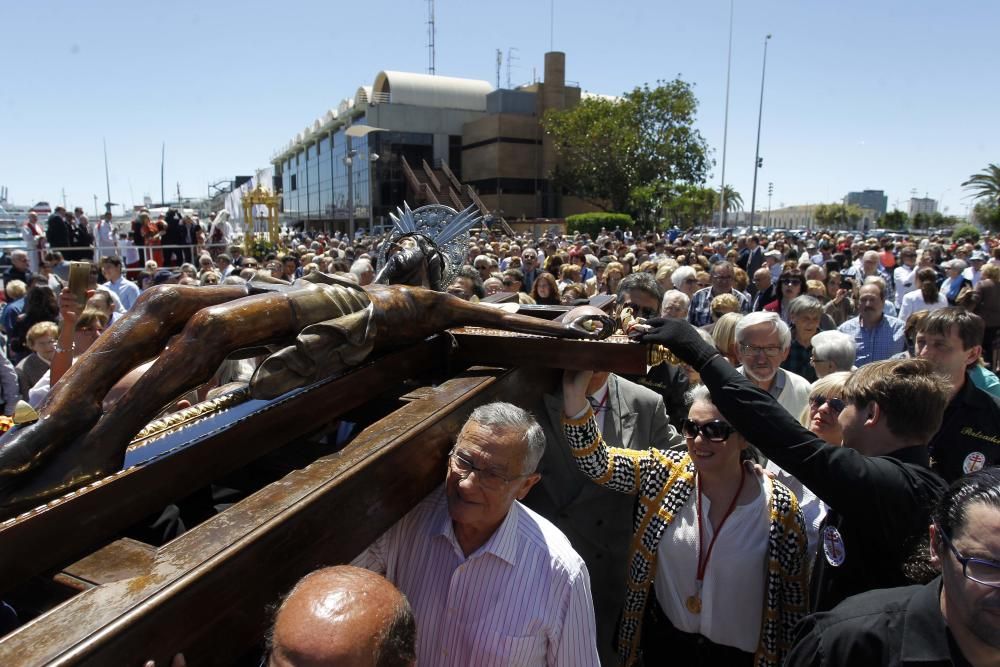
490,581
832,352
762,342
675,304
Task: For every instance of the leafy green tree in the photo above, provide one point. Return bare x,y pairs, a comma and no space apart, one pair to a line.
987,216
895,219
986,185
838,215
690,206
627,154
967,232
921,221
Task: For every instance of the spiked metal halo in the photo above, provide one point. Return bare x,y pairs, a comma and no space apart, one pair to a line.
446,228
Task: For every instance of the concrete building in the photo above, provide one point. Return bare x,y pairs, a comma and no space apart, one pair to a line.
922,205
876,200
441,139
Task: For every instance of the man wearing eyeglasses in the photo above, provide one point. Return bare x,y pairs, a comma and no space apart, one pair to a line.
529,267
763,341
722,275
490,581
953,620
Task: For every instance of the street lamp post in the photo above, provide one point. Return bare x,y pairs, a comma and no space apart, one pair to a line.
725,125
760,112
350,133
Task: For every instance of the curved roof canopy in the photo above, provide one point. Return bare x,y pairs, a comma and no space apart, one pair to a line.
443,92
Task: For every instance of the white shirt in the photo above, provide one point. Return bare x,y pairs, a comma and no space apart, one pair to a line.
523,598
972,275
732,595
914,302
905,279
813,509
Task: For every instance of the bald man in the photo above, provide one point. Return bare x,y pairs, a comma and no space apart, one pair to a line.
343,616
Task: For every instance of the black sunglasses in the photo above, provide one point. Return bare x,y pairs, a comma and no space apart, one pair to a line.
716,431
791,281
835,404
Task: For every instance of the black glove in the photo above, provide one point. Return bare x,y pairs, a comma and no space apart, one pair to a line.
680,338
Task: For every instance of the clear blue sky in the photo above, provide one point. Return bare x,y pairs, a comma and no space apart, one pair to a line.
890,94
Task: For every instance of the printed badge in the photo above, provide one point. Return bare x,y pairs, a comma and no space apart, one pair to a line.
833,546
973,462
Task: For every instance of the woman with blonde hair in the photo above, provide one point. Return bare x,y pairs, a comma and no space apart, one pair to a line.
724,336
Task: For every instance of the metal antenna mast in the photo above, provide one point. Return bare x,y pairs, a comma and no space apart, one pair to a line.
430,36
510,58
499,65
107,178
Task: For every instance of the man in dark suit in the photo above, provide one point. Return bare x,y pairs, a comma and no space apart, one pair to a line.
756,259
765,291
57,230
597,521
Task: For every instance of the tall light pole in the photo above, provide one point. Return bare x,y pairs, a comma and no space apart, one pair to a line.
725,124
760,112
350,133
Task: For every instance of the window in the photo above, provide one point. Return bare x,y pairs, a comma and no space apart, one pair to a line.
294,182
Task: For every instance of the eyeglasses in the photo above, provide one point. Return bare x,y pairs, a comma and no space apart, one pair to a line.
492,481
791,281
690,281
722,279
715,431
753,350
835,404
507,282
979,570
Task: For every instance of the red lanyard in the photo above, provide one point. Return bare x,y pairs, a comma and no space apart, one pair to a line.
702,564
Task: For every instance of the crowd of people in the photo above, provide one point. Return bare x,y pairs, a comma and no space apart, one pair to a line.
816,483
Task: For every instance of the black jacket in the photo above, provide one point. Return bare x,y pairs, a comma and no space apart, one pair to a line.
969,437
57,232
879,505
891,627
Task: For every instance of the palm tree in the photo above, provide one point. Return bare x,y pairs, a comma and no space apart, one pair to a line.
986,184
732,200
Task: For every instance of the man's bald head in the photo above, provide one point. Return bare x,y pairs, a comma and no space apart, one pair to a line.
343,615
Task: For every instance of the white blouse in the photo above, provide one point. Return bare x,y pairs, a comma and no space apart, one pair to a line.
914,302
732,595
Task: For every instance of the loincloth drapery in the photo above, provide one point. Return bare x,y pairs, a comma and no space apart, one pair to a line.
339,332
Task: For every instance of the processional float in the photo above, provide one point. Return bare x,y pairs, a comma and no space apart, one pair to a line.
402,359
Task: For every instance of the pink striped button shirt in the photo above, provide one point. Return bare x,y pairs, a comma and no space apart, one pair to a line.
522,599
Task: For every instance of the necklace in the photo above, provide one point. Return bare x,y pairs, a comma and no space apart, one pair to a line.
693,602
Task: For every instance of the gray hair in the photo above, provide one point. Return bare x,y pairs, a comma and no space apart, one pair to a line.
836,347
764,317
507,416
878,282
361,266
698,394
675,296
680,275
21,254
804,305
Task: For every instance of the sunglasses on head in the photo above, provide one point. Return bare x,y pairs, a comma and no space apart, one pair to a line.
835,404
716,431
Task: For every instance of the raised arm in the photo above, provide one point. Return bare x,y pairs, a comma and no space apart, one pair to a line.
842,477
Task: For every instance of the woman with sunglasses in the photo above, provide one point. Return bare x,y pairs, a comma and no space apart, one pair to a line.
792,284
718,567
826,402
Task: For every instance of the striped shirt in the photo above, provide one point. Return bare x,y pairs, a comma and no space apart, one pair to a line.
887,338
523,598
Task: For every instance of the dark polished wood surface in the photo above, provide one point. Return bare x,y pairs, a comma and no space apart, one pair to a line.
207,592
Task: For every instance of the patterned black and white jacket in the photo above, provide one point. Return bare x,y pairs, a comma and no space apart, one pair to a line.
664,480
